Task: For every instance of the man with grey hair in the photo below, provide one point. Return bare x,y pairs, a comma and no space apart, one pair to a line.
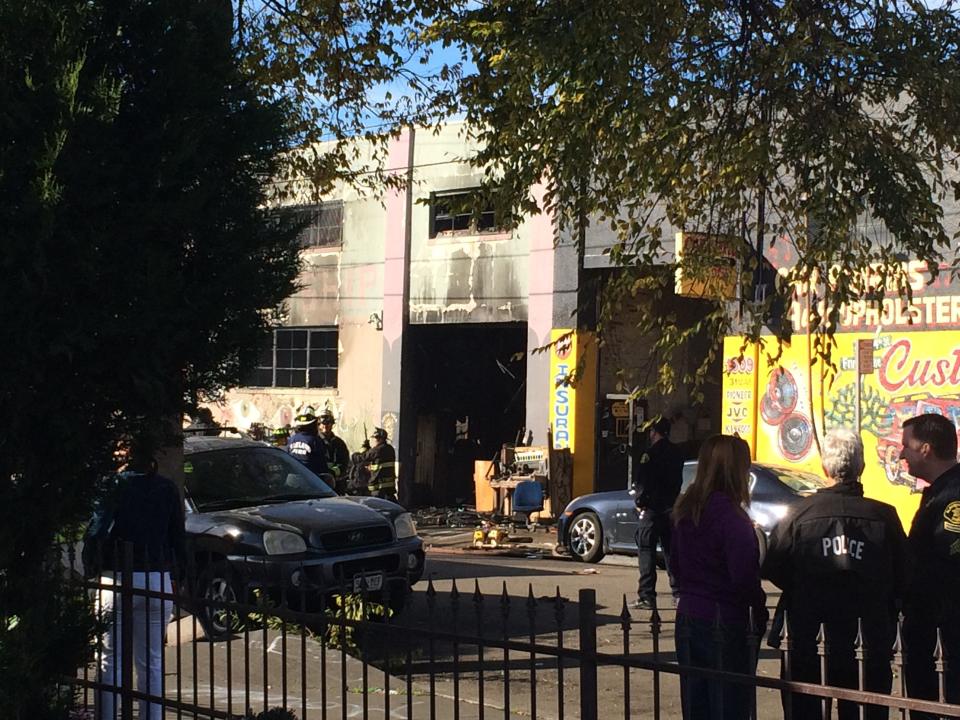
839,557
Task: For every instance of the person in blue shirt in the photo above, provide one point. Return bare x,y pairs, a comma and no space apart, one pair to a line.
305,444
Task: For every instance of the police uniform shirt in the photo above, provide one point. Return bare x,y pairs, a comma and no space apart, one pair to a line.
935,545
659,476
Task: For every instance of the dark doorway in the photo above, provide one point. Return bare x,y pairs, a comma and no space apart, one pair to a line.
464,395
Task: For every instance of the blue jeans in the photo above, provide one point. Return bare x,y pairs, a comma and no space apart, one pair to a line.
700,643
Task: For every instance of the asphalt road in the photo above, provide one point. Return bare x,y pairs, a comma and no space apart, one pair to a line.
407,676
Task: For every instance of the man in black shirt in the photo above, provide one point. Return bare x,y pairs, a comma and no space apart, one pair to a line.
839,557
656,484
932,599
149,515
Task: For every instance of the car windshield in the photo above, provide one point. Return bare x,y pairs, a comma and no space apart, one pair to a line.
248,476
800,482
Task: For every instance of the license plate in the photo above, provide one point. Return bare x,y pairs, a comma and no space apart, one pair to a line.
367,582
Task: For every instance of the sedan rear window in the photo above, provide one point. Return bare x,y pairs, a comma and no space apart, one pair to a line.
244,476
801,482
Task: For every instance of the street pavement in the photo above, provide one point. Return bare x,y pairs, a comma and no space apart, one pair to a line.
268,668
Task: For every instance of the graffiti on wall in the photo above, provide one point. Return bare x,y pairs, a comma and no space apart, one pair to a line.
244,410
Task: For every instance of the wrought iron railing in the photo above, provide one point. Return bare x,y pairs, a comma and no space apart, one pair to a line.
341,653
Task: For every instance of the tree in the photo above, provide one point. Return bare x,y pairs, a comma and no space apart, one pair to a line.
770,122
142,268
351,70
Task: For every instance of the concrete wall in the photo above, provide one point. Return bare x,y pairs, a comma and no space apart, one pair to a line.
462,278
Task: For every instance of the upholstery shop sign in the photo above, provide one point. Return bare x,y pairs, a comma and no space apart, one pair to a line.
563,395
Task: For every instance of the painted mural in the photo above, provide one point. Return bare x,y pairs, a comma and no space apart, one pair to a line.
790,405
783,407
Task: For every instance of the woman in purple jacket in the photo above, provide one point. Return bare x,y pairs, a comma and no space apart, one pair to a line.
716,562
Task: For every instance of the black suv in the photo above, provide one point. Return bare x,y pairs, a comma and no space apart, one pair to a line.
258,518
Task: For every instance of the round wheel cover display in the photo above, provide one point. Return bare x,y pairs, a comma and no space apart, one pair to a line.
770,410
795,436
782,389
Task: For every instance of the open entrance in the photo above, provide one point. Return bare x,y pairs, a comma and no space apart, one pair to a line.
464,396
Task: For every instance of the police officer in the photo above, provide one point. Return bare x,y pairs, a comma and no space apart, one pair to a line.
335,452
381,463
305,445
839,557
932,598
656,484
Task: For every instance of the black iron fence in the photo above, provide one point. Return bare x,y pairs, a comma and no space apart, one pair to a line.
361,650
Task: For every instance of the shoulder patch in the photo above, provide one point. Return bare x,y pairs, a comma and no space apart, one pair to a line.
951,517
645,458
955,548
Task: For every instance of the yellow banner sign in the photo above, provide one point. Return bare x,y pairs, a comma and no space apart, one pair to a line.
563,394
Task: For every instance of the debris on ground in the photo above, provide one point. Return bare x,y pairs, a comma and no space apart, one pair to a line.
466,516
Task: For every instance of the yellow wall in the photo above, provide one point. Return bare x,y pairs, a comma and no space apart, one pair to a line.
792,406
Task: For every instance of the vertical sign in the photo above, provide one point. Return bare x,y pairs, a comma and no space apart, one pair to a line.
865,356
563,395
864,362
739,404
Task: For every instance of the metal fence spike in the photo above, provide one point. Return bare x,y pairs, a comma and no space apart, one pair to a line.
531,599
558,607
898,639
477,595
624,614
454,592
938,649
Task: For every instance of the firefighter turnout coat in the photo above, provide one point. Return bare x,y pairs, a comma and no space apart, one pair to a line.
381,462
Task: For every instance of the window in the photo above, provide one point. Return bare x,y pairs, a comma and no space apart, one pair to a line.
299,357
323,224
463,212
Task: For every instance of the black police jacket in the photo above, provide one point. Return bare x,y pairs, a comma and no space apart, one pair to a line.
934,589
839,556
658,477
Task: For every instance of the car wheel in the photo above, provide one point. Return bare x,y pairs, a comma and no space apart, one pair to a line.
218,584
585,538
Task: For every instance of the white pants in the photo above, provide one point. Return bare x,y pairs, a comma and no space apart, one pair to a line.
149,623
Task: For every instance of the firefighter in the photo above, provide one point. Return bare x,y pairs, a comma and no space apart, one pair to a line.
335,452
932,599
305,445
839,558
358,476
381,462
656,485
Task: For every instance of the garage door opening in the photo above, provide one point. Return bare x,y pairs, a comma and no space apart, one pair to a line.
464,395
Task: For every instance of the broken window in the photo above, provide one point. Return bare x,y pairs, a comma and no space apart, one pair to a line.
462,212
322,224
